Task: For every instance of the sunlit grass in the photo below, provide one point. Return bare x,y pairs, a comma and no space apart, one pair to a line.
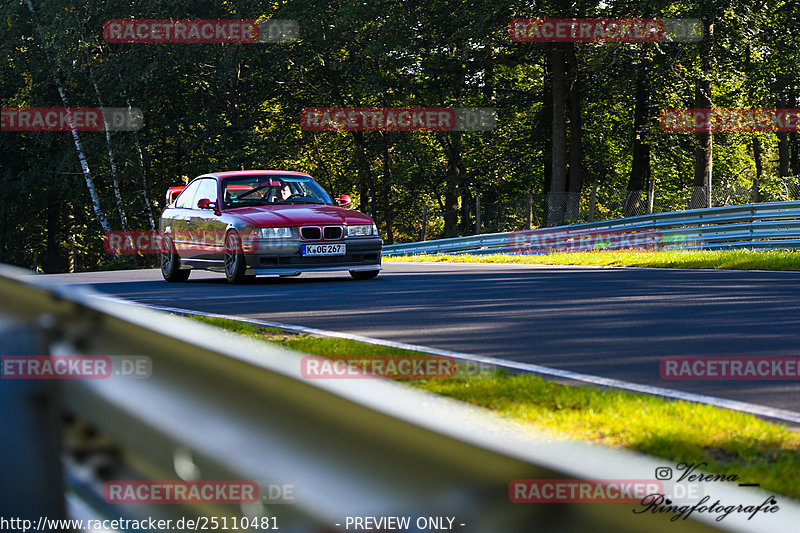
676,431
728,441
728,259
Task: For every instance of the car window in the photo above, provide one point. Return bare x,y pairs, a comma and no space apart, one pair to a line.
184,201
263,190
207,189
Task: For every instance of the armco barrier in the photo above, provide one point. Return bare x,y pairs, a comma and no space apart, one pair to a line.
761,226
222,407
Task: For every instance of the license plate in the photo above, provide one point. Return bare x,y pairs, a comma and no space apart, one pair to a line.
324,249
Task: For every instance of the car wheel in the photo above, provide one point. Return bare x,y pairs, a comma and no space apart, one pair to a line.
171,263
364,274
234,259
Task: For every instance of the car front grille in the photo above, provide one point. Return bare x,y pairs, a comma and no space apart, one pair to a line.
311,233
315,233
332,233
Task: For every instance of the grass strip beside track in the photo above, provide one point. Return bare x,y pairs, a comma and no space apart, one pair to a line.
714,259
729,442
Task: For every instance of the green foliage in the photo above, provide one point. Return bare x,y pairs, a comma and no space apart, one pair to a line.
230,106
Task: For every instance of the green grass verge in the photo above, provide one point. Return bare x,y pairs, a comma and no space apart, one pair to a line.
729,259
677,431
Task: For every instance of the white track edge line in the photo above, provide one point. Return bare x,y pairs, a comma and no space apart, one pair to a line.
734,405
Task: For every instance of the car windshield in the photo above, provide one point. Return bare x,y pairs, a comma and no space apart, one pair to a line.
272,190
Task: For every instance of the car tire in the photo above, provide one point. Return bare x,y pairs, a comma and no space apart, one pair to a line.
235,266
364,274
171,263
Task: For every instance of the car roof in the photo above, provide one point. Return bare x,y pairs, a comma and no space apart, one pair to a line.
232,173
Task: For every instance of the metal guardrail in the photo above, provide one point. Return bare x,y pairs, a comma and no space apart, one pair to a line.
222,407
764,226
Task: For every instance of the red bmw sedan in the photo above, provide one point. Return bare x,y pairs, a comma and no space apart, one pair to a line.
259,222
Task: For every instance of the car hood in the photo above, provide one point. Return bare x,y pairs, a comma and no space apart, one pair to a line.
298,215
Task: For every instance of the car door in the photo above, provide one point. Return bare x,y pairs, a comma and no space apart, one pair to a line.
207,227
177,228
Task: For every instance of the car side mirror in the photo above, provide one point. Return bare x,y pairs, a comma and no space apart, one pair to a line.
205,203
344,200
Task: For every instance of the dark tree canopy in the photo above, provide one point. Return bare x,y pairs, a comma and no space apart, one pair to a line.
574,120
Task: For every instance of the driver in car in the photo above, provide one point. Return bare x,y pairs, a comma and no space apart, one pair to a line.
286,192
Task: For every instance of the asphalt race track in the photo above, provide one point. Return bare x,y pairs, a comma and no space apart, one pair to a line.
610,322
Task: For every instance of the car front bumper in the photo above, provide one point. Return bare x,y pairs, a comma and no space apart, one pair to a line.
363,254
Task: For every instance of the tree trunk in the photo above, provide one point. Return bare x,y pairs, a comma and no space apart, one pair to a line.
465,226
543,131
52,256
450,214
123,219
794,141
322,166
575,142
784,162
759,168
140,156
98,211
453,187
756,193
424,231
3,234
640,166
386,189
703,155
784,165
367,181
558,181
